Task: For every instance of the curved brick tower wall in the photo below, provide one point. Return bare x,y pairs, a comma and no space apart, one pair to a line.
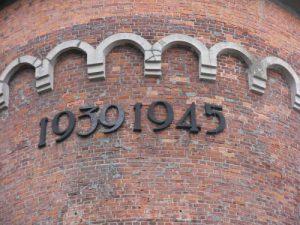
248,174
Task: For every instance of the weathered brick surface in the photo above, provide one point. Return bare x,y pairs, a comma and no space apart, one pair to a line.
249,174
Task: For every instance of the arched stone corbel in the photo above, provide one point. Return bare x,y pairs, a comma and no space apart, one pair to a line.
257,80
119,39
290,74
45,76
205,68
9,72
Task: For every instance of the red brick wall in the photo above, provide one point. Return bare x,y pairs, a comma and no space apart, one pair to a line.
249,174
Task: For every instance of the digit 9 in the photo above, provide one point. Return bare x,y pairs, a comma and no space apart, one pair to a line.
64,134
163,124
112,126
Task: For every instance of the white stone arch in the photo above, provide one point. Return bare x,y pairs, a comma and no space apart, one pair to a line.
45,76
9,72
119,39
257,82
229,48
4,95
290,74
205,68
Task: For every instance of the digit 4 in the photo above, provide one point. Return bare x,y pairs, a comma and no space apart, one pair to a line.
192,124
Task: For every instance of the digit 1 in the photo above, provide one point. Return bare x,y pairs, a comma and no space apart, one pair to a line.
137,119
43,125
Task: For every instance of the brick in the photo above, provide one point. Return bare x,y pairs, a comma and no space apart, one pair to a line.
249,174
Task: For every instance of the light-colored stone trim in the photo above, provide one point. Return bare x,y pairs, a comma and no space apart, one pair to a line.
45,76
290,74
8,73
257,80
159,47
229,48
4,95
119,39
10,70
257,71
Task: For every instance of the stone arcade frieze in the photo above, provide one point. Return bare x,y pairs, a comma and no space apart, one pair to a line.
257,68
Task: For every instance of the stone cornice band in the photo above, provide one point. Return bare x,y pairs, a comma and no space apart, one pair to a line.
257,72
